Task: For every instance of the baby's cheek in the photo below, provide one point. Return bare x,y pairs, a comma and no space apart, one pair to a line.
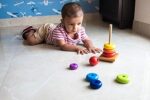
70,29
79,27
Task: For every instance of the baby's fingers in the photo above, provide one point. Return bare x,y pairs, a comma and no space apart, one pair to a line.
93,51
80,52
85,51
98,50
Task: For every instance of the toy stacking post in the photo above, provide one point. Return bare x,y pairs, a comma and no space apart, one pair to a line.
110,32
109,54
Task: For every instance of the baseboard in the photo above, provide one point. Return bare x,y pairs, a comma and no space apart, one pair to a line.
25,21
141,28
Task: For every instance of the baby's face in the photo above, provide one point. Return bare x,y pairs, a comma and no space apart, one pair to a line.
72,25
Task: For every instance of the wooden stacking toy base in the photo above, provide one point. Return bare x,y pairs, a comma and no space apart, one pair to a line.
108,59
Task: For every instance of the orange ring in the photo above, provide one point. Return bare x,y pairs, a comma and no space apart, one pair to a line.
108,50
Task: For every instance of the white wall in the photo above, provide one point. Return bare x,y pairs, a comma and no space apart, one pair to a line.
142,11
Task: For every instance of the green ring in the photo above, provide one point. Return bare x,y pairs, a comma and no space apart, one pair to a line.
122,78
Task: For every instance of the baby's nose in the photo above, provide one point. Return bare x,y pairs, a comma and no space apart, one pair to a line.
75,29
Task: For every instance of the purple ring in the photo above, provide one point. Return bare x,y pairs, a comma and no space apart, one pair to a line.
73,66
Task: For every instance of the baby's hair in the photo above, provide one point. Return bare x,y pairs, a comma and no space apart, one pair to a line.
71,9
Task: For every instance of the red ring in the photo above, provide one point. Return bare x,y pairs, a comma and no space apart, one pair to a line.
109,54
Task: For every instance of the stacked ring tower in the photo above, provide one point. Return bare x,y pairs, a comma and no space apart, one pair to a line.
109,53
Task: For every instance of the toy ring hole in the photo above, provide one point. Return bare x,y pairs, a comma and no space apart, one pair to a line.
97,82
123,76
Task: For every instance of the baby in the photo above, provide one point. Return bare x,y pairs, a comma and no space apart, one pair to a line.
66,35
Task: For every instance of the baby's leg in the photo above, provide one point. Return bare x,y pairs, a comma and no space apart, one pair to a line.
39,35
43,31
28,35
32,39
31,35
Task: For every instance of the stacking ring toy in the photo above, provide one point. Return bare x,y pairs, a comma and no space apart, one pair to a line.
92,76
95,84
73,66
109,46
122,78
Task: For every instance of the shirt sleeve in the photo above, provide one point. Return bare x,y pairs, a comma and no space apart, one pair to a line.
83,34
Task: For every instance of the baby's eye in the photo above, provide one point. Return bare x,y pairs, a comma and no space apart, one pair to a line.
79,23
71,24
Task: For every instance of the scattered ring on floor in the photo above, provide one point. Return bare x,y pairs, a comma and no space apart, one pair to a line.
95,84
91,76
122,78
73,66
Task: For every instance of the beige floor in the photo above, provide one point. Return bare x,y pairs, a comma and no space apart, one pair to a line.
41,72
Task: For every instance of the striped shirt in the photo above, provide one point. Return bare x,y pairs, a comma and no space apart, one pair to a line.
59,33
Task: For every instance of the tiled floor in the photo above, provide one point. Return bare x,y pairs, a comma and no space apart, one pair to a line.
41,72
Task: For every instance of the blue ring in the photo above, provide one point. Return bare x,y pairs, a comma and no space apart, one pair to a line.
95,84
92,76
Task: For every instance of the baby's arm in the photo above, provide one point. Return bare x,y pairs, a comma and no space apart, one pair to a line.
90,47
69,47
87,42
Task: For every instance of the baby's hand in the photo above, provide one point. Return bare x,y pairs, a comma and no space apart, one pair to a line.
81,50
94,50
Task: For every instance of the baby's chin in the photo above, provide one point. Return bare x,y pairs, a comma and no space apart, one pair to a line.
72,32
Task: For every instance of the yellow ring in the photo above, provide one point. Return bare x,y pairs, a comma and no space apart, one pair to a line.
109,46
